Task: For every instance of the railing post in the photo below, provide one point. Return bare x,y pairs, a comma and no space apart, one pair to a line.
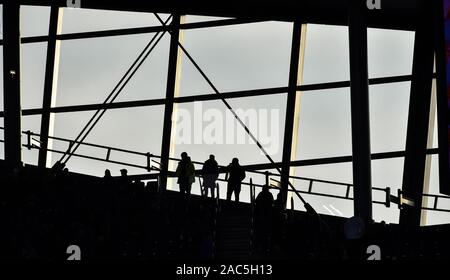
202,191
252,197
400,198
347,194
71,143
28,139
218,192
310,186
435,202
149,162
388,197
108,154
267,177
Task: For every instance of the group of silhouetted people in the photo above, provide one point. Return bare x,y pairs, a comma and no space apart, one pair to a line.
185,173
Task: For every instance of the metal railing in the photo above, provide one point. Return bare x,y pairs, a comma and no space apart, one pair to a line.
151,164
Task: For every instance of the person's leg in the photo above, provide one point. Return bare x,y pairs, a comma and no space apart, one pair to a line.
181,185
237,191
212,191
188,188
229,192
205,188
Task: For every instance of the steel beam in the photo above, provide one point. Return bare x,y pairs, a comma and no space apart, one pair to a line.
359,91
418,121
429,158
442,98
136,30
292,106
399,14
209,96
11,84
172,91
50,85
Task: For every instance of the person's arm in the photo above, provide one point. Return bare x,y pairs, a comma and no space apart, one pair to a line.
216,171
178,171
226,174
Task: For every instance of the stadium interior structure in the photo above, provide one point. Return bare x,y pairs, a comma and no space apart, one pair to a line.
45,208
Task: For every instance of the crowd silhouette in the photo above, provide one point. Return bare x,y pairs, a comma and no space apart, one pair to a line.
44,211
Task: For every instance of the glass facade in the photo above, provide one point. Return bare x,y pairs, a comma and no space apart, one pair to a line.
236,59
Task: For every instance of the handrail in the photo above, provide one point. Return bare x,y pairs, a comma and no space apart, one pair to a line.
150,166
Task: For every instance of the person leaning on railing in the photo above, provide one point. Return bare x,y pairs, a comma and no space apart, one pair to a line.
210,173
185,173
235,176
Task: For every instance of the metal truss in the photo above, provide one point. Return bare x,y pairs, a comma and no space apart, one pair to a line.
312,11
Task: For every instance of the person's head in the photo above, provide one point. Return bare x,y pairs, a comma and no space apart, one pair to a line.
235,161
265,188
280,196
123,172
212,157
184,156
107,173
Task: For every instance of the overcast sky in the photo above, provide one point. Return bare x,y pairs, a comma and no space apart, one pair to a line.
239,57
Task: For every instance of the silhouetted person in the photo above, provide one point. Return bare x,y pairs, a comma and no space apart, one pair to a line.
278,218
264,201
235,175
263,219
185,173
124,181
210,174
152,187
107,175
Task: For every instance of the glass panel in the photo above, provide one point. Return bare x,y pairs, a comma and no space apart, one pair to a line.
339,173
238,57
1,78
34,20
90,69
135,129
206,128
325,124
390,52
435,217
193,18
31,123
1,22
386,173
327,54
85,20
389,106
33,74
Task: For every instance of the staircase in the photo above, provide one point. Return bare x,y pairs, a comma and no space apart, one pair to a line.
234,231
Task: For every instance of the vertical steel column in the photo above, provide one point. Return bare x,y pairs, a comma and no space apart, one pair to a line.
442,97
428,162
11,86
418,121
359,90
171,91
292,108
50,85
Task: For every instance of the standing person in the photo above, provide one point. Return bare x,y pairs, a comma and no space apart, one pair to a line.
263,220
235,175
185,173
210,172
